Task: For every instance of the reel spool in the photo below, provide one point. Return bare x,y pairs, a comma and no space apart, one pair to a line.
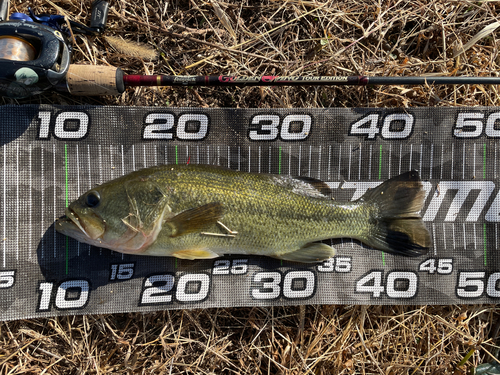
15,48
33,58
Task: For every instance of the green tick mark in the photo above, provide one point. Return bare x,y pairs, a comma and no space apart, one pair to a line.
279,161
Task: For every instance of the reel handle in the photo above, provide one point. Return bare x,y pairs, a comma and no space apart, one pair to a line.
94,80
4,9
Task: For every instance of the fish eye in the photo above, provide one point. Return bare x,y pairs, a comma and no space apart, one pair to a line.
92,199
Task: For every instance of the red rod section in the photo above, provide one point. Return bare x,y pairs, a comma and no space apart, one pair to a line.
164,80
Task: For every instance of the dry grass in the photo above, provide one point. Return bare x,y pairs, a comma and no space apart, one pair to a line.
290,37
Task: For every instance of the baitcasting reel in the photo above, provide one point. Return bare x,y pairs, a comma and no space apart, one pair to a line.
33,58
35,54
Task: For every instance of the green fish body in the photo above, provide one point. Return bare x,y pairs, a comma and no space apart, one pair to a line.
198,211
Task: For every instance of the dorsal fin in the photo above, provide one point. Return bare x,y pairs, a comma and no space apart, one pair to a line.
307,186
319,185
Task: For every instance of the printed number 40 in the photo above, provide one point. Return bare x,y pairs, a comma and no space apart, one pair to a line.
394,126
398,284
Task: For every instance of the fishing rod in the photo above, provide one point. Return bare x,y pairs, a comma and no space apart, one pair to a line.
97,80
35,56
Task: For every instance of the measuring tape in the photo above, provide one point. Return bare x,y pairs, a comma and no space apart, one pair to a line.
50,155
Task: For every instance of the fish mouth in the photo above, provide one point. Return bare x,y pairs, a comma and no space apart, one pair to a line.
71,225
73,217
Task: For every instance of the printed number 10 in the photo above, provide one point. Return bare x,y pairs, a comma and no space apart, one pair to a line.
67,125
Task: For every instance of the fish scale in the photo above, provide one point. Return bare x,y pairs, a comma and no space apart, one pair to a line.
181,210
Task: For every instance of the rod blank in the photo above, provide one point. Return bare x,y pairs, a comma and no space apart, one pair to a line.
164,80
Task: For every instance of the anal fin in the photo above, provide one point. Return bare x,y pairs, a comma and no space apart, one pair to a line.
195,254
310,253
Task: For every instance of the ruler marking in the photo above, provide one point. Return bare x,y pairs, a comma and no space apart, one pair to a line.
340,158
421,157
329,160
444,236
17,202
453,234
442,161
309,164
100,164
475,241
370,162
43,199
90,180
485,245
143,155
270,153
90,169
259,155
54,177
359,163
496,235
411,155
431,161
30,198
290,160
463,162
249,157
400,157
319,162
300,159
133,157
452,151
495,165
390,155
484,161
123,161
66,190
474,161
349,171
279,160
111,161
208,154
434,238
78,185
380,163
465,239
5,206
155,151
218,155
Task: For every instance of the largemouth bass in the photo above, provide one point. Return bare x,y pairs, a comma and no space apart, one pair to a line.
199,211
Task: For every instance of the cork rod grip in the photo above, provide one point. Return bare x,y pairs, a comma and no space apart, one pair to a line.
94,80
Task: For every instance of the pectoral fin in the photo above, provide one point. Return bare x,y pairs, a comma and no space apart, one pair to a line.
195,254
195,219
310,253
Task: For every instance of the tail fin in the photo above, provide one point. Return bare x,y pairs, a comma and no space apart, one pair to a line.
397,227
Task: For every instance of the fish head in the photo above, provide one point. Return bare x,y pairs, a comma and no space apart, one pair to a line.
124,216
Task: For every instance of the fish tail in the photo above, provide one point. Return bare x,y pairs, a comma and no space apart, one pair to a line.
396,226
